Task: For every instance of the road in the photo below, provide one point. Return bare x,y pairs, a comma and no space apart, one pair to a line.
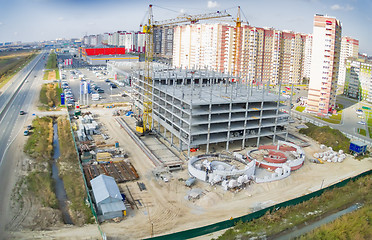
12,124
10,121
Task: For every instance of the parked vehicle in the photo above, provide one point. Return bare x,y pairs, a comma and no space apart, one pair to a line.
26,132
95,96
22,112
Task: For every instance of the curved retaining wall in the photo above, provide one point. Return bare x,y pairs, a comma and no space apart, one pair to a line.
196,232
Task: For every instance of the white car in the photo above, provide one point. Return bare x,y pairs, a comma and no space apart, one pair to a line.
361,122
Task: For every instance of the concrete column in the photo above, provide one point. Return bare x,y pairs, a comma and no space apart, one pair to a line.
229,122
209,117
277,112
260,121
245,117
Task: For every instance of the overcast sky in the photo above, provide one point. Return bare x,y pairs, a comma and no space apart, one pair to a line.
34,20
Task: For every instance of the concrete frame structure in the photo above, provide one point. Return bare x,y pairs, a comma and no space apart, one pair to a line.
324,64
193,108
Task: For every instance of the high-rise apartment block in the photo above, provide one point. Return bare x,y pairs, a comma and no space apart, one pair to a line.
358,80
256,54
307,55
324,64
349,48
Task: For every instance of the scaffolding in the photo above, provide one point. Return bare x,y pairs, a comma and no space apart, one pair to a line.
192,108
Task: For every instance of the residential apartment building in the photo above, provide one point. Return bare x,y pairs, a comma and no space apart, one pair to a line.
255,54
324,64
349,48
358,79
307,55
163,42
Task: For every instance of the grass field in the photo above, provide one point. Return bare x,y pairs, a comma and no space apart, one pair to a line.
327,136
288,218
362,132
71,175
300,108
11,62
50,96
39,146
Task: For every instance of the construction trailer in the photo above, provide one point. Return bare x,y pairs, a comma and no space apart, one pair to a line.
358,148
191,108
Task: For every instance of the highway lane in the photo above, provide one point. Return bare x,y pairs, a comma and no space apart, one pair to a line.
11,140
17,80
12,123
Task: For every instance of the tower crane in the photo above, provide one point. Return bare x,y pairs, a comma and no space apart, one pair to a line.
237,43
145,123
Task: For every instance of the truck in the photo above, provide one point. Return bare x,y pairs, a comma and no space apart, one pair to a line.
95,96
357,148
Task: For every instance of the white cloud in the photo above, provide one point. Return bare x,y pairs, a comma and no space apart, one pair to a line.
337,7
61,18
213,4
1,23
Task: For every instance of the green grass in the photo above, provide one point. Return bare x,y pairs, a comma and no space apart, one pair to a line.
69,171
52,62
12,62
355,225
362,132
327,136
50,95
335,118
300,108
46,74
286,218
39,144
41,185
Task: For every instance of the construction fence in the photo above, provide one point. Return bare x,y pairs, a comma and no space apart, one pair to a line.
85,182
191,233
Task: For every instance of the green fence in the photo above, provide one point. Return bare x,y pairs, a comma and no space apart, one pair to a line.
85,182
191,233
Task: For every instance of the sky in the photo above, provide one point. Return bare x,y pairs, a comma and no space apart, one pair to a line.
37,20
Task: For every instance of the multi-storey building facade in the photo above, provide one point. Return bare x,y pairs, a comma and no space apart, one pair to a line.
307,55
358,79
349,48
255,54
324,64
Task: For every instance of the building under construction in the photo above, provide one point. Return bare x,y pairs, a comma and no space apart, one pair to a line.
194,108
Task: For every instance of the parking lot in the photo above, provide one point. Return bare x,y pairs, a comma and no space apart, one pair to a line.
102,89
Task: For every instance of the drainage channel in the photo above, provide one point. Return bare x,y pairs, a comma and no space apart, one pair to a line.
59,186
299,232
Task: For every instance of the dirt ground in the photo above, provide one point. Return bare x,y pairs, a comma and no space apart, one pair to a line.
162,208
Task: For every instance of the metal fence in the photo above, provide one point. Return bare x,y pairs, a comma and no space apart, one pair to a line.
191,233
320,124
85,182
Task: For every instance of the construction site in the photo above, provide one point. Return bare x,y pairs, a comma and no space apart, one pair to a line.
190,147
186,131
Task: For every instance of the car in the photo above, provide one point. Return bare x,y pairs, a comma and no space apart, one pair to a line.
29,127
362,122
99,90
26,132
22,112
359,111
107,80
113,85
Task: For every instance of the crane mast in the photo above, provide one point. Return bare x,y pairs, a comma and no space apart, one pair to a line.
145,124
